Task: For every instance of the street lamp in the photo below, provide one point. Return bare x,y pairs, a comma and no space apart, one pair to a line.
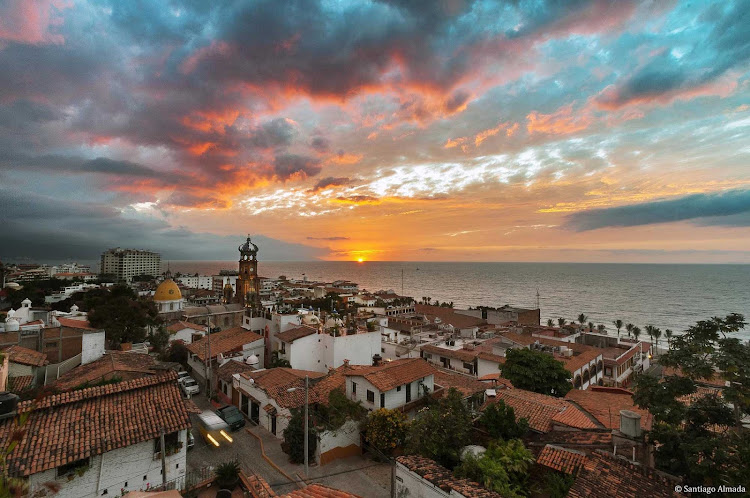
292,389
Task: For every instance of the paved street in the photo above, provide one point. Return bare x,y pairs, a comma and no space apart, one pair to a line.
358,475
245,449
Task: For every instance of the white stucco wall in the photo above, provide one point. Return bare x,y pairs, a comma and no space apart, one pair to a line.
185,335
92,346
395,398
485,367
282,414
134,465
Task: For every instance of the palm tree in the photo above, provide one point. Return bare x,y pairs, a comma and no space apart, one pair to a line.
657,336
582,319
650,331
550,323
629,327
561,322
668,333
636,333
618,325
601,328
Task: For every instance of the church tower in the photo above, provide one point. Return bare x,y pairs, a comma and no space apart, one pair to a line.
248,285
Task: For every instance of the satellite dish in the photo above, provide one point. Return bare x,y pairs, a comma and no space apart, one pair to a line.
252,360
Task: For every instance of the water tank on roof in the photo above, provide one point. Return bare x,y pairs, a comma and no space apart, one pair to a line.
630,423
8,404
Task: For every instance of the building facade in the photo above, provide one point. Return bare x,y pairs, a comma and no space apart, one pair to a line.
248,283
125,264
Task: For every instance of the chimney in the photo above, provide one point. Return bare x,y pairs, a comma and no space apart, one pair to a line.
346,363
630,424
376,359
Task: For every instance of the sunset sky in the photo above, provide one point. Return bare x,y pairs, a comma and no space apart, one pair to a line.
440,130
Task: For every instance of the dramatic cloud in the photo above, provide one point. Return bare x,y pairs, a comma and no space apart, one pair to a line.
291,165
685,208
330,181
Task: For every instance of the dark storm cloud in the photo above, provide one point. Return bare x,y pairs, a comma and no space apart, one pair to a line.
275,133
45,228
725,46
286,166
320,144
330,181
59,163
691,207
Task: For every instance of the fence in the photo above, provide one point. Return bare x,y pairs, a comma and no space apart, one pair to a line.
53,372
187,482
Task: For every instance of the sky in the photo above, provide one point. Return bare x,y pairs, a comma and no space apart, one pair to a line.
424,130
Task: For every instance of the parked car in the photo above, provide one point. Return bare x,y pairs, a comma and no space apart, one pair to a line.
182,375
232,416
189,386
190,439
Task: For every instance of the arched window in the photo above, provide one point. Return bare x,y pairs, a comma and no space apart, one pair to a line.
593,370
586,376
600,365
577,383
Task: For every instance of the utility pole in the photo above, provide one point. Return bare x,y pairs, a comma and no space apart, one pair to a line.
306,428
163,460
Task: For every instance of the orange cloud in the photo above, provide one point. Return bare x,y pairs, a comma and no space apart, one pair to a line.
561,122
346,158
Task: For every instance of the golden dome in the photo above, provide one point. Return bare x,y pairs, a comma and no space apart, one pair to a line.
167,291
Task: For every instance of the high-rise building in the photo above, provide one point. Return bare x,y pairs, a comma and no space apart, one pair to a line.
248,284
125,264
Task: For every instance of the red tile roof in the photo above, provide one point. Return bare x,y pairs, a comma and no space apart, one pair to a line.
20,384
582,354
604,474
66,427
390,375
113,364
443,478
542,411
223,342
226,371
25,356
584,439
318,491
561,459
605,406
75,324
466,384
182,325
276,382
292,335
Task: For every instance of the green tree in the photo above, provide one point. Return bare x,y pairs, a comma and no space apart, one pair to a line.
601,328
561,322
159,339
591,326
277,361
503,468
386,430
693,439
337,411
177,352
668,333
499,420
536,371
294,437
629,328
557,484
618,325
636,333
582,319
123,315
657,336
440,431
550,323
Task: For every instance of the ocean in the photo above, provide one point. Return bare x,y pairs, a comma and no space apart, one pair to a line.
667,296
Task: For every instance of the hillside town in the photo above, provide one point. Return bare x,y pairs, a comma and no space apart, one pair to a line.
134,381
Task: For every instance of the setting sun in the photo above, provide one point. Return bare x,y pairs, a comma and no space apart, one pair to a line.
360,260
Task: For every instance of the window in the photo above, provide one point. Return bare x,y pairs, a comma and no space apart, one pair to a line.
382,400
408,392
370,396
72,467
398,389
171,441
354,388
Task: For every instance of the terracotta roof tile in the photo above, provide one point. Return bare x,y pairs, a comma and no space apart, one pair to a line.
396,373
604,474
292,335
276,382
66,427
112,364
223,342
605,406
444,478
318,491
226,371
20,384
590,438
466,384
25,356
75,324
182,325
561,459
542,411
448,316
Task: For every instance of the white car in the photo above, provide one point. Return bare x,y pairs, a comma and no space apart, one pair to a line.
189,386
182,375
